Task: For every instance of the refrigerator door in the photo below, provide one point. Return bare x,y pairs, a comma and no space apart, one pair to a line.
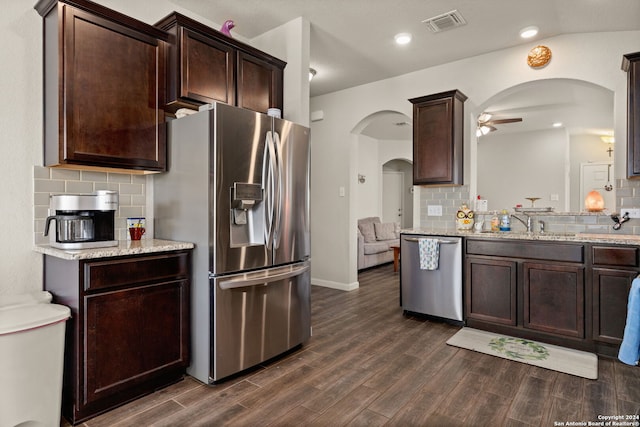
257,316
238,204
292,230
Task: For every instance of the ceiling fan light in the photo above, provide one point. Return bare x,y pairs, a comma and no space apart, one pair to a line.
528,32
484,117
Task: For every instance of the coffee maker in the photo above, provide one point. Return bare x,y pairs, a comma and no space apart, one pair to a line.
82,221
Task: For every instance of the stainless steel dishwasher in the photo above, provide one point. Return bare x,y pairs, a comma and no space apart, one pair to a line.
432,292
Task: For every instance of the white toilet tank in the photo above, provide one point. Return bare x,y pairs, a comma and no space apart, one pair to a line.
31,360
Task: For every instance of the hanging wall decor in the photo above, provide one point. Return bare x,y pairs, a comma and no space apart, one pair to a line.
539,56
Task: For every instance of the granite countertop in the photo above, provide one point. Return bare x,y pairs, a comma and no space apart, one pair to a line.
612,238
124,248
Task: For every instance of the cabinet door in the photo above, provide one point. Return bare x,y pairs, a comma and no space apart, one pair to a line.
111,94
208,69
491,290
610,295
438,123
133,335
554,298
631,64
259,84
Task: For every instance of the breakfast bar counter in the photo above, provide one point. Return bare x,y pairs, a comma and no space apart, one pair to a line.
609,238
567,289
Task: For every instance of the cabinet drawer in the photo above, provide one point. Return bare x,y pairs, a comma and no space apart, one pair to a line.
527,249
611,255
133,270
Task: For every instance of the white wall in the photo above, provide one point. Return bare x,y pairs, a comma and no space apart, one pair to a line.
21,118
593,57
368,193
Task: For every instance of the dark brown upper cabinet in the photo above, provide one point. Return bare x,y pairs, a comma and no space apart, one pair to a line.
631,64
438,124
205,66
104,88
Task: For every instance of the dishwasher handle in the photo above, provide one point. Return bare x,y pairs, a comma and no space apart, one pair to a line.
446,242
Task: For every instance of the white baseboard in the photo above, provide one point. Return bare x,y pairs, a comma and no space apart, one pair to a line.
335,285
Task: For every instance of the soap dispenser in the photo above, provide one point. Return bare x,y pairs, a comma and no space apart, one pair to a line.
495,223
505,221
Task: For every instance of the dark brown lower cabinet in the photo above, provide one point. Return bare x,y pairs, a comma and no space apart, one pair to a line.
565,293
129,331
491,290
554,298
610,295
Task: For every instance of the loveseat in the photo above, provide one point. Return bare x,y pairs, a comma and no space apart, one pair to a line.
375,239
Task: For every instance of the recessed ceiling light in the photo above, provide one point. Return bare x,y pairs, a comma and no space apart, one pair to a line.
528,32
403,38
557,124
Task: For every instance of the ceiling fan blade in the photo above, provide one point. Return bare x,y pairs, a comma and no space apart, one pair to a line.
502,121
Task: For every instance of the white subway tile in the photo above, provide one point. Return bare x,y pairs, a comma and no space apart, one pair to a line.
65,174
48,186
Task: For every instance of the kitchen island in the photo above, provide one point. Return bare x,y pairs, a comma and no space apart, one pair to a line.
568,289
129,329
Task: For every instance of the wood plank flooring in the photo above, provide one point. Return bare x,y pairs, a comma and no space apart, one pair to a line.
368,365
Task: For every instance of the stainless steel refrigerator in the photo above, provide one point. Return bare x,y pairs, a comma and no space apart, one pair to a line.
238,187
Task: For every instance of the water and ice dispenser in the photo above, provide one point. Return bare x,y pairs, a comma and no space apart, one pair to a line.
247,215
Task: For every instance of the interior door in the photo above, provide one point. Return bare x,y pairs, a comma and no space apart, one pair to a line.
392,184
596,176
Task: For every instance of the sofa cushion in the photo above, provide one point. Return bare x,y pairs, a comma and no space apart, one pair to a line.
368,231
385,231
369,219
374,248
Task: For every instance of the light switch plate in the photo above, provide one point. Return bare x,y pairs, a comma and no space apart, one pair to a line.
633,212
434,210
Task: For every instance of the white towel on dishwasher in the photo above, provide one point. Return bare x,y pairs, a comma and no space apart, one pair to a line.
429,253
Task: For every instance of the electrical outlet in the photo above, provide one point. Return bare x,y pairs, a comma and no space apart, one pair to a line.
434,210
633,213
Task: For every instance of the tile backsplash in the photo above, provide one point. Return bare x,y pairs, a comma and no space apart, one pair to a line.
450,198
131,188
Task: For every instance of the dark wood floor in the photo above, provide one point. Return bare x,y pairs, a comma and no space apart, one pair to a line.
368,365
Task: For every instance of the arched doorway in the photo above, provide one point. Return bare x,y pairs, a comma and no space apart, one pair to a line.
382,157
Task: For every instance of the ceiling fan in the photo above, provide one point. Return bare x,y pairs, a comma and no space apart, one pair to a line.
486,124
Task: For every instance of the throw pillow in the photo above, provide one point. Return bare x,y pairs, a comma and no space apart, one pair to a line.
368,232
385,231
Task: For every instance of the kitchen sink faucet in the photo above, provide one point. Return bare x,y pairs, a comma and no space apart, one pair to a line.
527,223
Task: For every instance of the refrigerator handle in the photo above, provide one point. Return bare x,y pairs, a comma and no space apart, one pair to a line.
279,191
261,280
268,181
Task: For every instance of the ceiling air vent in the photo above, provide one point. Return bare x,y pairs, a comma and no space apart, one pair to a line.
446,21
